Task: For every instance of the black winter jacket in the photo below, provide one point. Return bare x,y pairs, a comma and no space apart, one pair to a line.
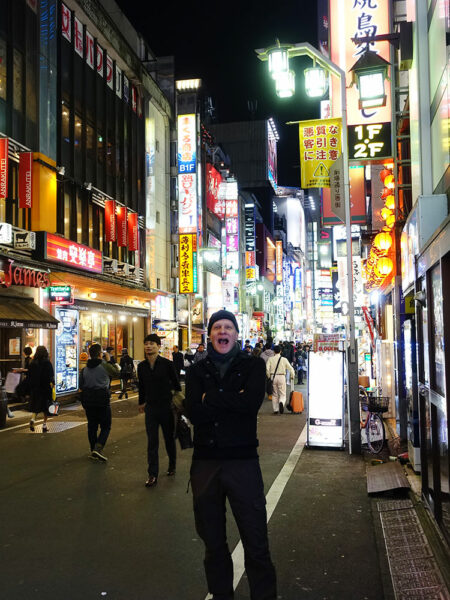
224,411
156,385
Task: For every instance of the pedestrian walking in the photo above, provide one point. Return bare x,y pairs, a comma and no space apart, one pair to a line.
110,352
276,368
223,397
267,352
178,361
200,354
157,378
126,372
41,378
96,398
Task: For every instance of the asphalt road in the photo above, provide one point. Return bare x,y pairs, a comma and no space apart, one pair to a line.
74,529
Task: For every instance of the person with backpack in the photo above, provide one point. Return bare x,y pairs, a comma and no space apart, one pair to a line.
95,399
126,372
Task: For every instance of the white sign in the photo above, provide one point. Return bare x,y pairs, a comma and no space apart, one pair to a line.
325,423
5,233
337,188
25,239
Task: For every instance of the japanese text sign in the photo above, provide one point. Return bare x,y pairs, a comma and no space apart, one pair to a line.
69,253
3,167
279,255
369,142
25,180
213,202
187,203
188,263
320,146
110,221
187,143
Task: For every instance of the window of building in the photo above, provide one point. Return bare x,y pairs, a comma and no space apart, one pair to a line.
18,74
78,147
66,138
67,213
90,152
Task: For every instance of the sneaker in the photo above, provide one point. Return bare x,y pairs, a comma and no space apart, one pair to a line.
44,428
281,408
151,482
32,425
171,472
93,456
11,415
97,454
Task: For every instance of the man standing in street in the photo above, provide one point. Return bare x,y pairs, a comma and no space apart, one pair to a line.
178,360
95,381
276,368
223,395
157,378
200,354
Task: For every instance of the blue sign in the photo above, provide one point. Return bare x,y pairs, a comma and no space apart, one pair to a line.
66,350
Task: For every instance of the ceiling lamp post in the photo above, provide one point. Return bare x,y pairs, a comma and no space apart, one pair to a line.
369,74
316,82
305,49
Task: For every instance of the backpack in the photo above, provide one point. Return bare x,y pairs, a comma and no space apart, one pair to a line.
127,368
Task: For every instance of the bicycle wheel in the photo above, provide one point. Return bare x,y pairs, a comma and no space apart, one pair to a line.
375,433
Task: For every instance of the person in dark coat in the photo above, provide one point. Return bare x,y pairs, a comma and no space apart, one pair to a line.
126,372
178,360
157,378
41,378
224,393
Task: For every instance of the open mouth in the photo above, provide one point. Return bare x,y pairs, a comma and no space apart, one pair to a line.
223,342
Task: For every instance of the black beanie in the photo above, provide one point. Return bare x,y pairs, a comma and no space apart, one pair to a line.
222,314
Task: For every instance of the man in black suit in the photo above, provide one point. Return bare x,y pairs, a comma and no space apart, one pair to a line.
157,378
178,360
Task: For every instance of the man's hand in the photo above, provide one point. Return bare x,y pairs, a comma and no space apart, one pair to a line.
141,408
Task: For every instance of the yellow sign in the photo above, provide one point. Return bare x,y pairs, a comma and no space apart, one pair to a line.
320,146
188,263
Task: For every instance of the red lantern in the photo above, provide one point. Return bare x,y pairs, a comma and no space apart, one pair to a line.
384,173
385,193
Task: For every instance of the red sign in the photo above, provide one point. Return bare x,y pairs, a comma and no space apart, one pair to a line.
70,253
25,180
10,275
357,200
213,203
121,226
133,232
110,221
3,167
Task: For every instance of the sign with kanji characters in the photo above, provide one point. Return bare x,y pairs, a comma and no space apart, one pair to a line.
188,263
61,250
187,203
213,202
187,143
337,188
320,147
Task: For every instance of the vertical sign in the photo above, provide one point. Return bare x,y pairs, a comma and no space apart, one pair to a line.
187,167
133,231
3,167
122,223
320,146
187,143
66,350
109,71
110,221
279,260
25,179
213,202
66,22
188,263
337,188
99,60
78,37
250,230
89,39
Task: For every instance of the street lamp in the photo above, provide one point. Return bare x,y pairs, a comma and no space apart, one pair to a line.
305,49
369,73
316,82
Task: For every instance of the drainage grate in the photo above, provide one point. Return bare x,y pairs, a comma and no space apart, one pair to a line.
53,427
415,574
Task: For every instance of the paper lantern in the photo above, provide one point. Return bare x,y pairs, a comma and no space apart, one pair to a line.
385,213
383,241
385,193
389,182
390,221
384,173
384,267
390,202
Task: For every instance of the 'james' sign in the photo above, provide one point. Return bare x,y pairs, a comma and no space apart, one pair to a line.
11,275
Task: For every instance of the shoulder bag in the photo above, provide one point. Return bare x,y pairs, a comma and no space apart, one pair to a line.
269,383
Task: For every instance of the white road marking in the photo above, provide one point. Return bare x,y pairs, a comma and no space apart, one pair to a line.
272,499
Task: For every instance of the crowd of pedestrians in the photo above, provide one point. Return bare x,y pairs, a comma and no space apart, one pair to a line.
226,382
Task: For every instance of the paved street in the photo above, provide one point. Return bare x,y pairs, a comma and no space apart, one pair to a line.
74,529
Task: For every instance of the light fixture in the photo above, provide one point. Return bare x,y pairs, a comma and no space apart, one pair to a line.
110,317
384,173
88,185
390,202
188,85
369,73
389,182
384,266
385,213
134,319
383,241
316,82
278,60
122,318
92,295
390,221
285,84
61,170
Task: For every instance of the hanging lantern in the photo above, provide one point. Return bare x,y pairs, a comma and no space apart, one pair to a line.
385,193
385,213
384,267
383,241
384,173
389,182
390,221
390,202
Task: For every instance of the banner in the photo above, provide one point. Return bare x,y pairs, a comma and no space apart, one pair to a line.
213,181
110,221
357,200
133,232
188,263
25,179
279,259
3,167
122,223
320,146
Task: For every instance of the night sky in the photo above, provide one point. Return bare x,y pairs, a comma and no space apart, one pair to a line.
216,42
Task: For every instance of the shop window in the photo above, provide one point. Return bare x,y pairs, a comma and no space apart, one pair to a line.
437,329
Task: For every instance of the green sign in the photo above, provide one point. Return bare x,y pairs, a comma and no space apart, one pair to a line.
60,293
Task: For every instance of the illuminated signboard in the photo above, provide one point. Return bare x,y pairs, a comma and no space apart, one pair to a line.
66,350
250,230
320,146
271,155
187,203
187,143
60,250
213,202
279,259
188,263
372,141
60,293
358,18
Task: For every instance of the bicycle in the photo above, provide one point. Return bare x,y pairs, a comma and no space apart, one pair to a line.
373,425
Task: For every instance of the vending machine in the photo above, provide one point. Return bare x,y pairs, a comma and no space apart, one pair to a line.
412,401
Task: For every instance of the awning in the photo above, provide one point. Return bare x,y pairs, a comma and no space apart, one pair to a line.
23,312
